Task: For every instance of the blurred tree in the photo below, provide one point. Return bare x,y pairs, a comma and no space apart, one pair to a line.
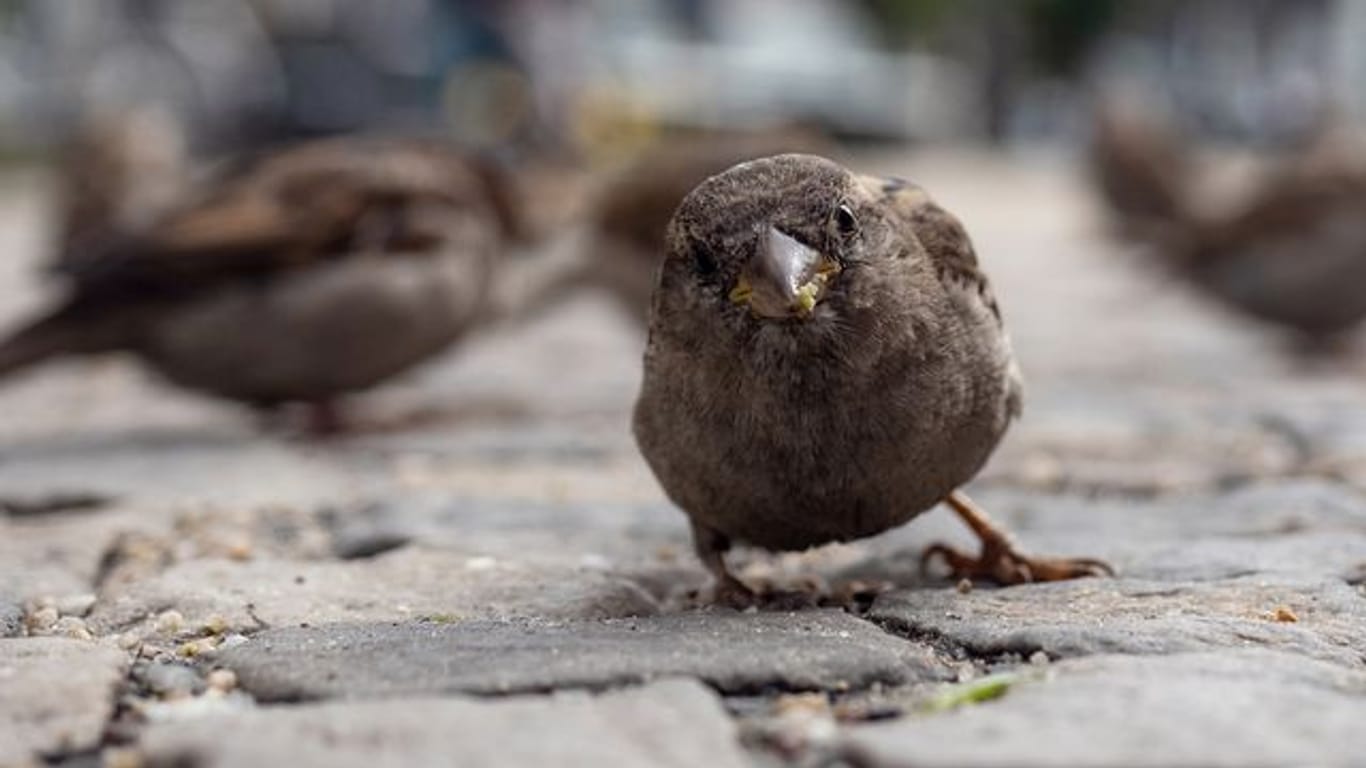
1062,33
910,23
1009,43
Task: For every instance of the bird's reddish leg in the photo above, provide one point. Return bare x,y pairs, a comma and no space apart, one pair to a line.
711,547
999,560
325,418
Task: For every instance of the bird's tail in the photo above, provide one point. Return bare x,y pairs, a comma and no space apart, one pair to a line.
73,329
1142,168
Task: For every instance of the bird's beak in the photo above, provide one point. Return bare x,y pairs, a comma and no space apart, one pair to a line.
784,278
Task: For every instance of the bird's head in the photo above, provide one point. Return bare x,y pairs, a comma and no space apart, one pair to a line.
790,240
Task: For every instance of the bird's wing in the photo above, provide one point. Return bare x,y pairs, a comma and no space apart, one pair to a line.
314,203
940,233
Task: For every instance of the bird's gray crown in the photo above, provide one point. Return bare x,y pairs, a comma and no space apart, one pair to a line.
794,193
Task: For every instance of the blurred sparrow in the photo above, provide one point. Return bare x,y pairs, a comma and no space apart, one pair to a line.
298,276
1291,251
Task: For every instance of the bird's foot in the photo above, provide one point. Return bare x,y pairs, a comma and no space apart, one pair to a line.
325,419
318,420
733,593
1000,562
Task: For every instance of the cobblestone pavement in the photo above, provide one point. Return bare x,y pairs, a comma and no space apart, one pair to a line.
506,584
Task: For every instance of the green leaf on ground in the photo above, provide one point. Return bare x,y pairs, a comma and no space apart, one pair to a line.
972,692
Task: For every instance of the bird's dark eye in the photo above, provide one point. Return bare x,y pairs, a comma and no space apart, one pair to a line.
845,221
703,262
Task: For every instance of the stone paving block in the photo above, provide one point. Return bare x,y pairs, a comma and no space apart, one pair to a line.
1322,553
1297,527
1322,618
735,652
55,695
1260,509
1081,437
401,585
1230,708
501,522
669,723
59,554
175,467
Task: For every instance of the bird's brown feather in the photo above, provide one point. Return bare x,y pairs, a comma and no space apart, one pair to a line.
284,211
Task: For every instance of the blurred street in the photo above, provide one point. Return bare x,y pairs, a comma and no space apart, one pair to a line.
197,590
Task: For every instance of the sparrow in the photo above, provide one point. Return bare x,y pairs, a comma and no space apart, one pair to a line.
299,275
1292,251
1293,255
825,361
1141,167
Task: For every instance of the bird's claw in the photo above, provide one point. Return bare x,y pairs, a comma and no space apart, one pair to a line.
733,593
1004,565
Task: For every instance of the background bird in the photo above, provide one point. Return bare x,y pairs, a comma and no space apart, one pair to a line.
1141,167
295,276
826,361
619,244
634,206
1290,250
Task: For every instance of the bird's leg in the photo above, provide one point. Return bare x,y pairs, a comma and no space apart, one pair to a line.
999,560
325,418
711,546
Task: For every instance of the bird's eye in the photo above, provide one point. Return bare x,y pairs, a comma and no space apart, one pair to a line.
845,221
703,262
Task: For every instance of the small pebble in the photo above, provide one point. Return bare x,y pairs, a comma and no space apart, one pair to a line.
73,627
42,619
232,641
223,680
170,681
1282,614
75,605
1039,658
215,625
813,703
170,622
193,648
964,586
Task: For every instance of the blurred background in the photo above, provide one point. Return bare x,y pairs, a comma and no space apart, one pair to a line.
594,77
991,105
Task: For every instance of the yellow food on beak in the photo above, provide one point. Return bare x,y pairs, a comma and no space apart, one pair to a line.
811,292
803,300
742,292
783,278
806,297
